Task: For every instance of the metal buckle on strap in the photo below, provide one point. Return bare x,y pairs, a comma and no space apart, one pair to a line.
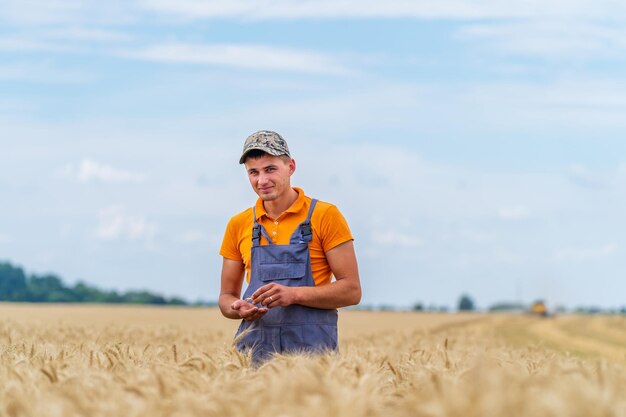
306,230
256,232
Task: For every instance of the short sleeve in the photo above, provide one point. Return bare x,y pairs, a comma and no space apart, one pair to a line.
334,229
230,247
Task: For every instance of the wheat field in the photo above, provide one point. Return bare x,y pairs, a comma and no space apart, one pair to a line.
90,360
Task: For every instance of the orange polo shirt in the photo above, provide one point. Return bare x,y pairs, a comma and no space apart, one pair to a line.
329,230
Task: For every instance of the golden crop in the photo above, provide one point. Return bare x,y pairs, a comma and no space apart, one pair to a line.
148,361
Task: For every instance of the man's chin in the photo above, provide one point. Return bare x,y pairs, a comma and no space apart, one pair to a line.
268,197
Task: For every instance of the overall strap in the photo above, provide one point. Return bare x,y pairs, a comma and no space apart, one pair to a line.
304,232
258,230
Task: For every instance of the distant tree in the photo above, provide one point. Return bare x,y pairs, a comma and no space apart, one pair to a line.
204,303
560,309
12,283
177,301
588,310
85,293
16,286
418,307
48,288
466,303
112,297
507,306
142,297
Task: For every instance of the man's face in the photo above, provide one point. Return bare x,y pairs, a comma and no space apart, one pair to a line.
270,176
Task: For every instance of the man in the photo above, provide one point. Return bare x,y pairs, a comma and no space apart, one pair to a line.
288,246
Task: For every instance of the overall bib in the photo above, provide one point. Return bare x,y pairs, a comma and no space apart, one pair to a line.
294,328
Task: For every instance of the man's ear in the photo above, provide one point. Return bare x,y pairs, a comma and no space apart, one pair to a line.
292,166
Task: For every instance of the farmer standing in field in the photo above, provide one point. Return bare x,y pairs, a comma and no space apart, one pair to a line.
288,246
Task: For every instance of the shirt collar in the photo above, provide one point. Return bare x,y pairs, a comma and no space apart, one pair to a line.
294,208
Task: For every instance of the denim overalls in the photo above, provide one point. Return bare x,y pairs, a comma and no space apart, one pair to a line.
295,328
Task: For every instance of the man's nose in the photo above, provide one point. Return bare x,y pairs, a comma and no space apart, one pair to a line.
263,179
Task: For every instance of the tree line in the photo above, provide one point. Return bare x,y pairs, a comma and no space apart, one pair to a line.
15,285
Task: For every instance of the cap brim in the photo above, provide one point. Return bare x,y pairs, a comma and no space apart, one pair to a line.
267,151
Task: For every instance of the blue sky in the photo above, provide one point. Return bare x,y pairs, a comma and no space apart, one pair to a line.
473,146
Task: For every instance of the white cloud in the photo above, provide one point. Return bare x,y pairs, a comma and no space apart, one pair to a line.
43,72
422,189
5,238
28,44
116,224
584,177
62,40
585,254
42,12
192,237
425,9
477,236
88,34
66,230
507,257
570,106
13,72
286,9
394,238
552,39
14,105
576,28
38,13
487,257
513,213
66,39
249,56
92,171
620,176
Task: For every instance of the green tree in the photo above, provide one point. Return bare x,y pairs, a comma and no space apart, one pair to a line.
466,303
12,283
177,301
143,297
47,288
16,286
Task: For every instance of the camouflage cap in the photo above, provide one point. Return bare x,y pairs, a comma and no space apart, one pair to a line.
266,141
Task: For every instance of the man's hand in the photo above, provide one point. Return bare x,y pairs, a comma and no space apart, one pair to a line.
274,295
248,311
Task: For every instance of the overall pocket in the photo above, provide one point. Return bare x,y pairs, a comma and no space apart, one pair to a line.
280,262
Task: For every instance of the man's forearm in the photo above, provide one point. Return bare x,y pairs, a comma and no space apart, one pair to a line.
225,303
337,294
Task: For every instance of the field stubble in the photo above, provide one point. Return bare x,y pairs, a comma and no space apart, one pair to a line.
125,361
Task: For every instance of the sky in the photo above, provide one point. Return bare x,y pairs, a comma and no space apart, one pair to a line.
473,146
